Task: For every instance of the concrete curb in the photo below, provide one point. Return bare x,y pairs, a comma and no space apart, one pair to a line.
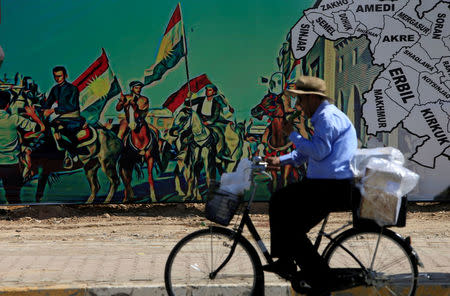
122,290
439,286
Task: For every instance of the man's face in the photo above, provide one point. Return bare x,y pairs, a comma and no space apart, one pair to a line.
303,103
137,89
59,77
299,103
209,92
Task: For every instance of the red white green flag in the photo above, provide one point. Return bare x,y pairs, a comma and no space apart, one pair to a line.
177,98
96,85
171,49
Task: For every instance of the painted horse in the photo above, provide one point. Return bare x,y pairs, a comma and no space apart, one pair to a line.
103,151
141,146
176,148
235,141
276,144
197,149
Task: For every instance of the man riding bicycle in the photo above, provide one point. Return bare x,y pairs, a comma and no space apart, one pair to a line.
298,207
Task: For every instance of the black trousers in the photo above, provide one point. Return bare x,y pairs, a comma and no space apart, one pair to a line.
12,182
297,208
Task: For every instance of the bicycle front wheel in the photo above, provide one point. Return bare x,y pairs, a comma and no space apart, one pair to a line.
389,260
190,265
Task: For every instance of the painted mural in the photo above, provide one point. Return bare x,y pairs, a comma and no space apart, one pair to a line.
151,102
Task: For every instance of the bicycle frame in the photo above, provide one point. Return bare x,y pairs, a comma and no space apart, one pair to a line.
246,221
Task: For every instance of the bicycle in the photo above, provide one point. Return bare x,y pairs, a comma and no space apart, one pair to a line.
221,261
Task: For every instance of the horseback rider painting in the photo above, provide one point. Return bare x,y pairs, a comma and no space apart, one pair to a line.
211,109
140,140
134,103
211,106
69,120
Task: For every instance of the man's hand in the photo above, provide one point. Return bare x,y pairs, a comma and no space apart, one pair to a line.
273,163
122,98
287,127
30,111
48,112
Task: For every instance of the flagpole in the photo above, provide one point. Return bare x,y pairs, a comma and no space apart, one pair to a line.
186,58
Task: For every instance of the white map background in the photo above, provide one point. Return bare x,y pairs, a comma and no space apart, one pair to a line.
410,39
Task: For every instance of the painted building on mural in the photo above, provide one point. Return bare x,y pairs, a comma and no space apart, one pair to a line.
354,75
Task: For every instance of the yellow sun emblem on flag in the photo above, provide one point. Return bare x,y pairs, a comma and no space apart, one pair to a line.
165,50
168,43
99,87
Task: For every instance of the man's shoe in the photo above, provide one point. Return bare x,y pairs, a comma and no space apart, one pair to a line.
325,285
283,267
300,284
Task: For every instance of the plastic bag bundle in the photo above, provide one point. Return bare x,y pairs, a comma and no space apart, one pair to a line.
362,157
383,183
239,181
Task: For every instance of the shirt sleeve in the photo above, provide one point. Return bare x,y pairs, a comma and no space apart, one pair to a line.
320,144
25,124
294,158
50,99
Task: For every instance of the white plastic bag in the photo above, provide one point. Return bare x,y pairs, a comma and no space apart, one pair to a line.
362,157
239,181
382,187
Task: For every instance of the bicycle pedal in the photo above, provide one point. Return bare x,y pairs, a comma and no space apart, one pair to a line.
301,286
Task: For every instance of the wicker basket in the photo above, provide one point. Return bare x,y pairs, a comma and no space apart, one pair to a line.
221,205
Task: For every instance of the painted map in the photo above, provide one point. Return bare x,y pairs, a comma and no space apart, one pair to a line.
410,39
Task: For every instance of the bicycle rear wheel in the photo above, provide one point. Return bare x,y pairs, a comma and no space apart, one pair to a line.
190,263
392,271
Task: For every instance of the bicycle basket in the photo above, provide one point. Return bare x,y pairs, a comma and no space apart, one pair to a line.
221,205
359,222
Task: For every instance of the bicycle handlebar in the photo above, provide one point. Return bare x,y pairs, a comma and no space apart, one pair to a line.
259,166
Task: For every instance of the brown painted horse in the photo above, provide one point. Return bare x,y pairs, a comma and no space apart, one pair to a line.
276,144
140,146
104,151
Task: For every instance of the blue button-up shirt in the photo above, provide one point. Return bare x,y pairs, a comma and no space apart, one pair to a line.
330,149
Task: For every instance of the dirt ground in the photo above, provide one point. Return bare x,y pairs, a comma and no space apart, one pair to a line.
429,220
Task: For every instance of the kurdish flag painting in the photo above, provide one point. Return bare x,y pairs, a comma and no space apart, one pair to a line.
176,99
171,50
97,85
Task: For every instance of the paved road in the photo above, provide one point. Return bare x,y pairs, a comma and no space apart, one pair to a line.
135,267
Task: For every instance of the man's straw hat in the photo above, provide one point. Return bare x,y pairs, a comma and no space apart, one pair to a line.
309,85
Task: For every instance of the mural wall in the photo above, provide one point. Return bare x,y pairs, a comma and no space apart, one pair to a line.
151,102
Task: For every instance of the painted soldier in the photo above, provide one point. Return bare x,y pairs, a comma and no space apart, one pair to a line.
211,107
135,107
69,120
10,127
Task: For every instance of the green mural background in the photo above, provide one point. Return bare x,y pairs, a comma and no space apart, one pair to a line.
234,43
241,55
